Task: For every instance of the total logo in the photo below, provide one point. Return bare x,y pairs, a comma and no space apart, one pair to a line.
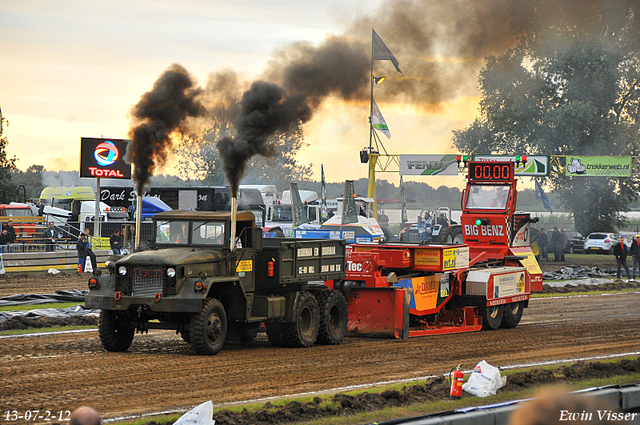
106,154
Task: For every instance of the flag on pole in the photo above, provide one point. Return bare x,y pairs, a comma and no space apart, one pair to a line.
323,191
378,122
543,196
381,52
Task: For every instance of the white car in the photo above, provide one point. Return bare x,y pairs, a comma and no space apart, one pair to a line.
600,242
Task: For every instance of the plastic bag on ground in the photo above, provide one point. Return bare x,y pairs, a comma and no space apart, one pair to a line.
202,414
485,380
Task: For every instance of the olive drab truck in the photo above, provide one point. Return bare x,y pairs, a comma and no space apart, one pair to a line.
211,287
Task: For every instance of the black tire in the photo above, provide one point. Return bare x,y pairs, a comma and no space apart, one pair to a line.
278,232
334,317
493,317
303,331
208,329
455,235
274,332
512,315
115,333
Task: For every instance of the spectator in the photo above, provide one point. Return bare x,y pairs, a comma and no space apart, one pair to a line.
542,245
84,415
49,236
11,232
115,242
635,253
383,219
621,251
562,241
92,256
555,235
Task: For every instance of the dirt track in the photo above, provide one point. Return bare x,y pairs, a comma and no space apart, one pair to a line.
161,372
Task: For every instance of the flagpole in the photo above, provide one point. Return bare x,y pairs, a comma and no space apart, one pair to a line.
371,190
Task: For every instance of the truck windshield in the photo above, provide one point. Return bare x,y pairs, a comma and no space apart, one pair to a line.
175,232
282,213
487,197
208,233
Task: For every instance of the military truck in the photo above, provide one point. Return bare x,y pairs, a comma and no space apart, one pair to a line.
210,287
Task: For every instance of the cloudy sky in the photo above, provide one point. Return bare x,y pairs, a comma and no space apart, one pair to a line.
72,69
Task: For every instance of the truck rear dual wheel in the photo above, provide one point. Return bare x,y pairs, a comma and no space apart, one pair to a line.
334,317
208,329
493,317
115,333
512,315
303,331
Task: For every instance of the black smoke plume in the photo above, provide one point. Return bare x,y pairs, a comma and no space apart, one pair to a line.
159,113
265,109
440,44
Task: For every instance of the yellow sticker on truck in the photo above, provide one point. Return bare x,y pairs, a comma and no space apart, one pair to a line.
244,266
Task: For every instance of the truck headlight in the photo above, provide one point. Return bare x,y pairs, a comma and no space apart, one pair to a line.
171,272
122,271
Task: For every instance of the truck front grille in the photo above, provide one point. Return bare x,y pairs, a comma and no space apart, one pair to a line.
147,281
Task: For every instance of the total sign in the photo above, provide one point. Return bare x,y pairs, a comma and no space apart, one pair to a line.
104,158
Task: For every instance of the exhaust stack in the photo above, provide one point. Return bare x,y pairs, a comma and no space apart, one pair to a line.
234,211
138,221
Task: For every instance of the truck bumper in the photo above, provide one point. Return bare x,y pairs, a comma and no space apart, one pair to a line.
162,305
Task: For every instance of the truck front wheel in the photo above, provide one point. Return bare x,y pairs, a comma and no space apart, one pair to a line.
115,333
208,329
303,331
334,317
493,317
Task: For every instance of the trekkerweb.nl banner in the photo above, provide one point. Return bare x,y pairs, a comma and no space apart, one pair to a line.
601,166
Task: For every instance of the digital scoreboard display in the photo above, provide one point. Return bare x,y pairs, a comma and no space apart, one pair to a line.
491,171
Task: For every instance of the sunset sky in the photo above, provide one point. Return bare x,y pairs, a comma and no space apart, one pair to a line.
72,69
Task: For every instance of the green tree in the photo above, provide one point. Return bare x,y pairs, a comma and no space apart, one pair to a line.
566,91
31,180
198,156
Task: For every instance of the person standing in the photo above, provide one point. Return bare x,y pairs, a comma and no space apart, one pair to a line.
635,253
11,232
562,241
621,251
49,236
542,245
92,256
115,242
555,235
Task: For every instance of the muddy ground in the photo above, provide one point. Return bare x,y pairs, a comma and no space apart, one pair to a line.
161,372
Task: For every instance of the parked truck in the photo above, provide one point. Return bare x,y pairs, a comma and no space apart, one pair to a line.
209,289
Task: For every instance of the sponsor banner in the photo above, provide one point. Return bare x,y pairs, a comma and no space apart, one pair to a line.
428,165
510,284
424,291
601,166
536,165
104,158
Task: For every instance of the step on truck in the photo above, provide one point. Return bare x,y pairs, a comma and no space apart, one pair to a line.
210,287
